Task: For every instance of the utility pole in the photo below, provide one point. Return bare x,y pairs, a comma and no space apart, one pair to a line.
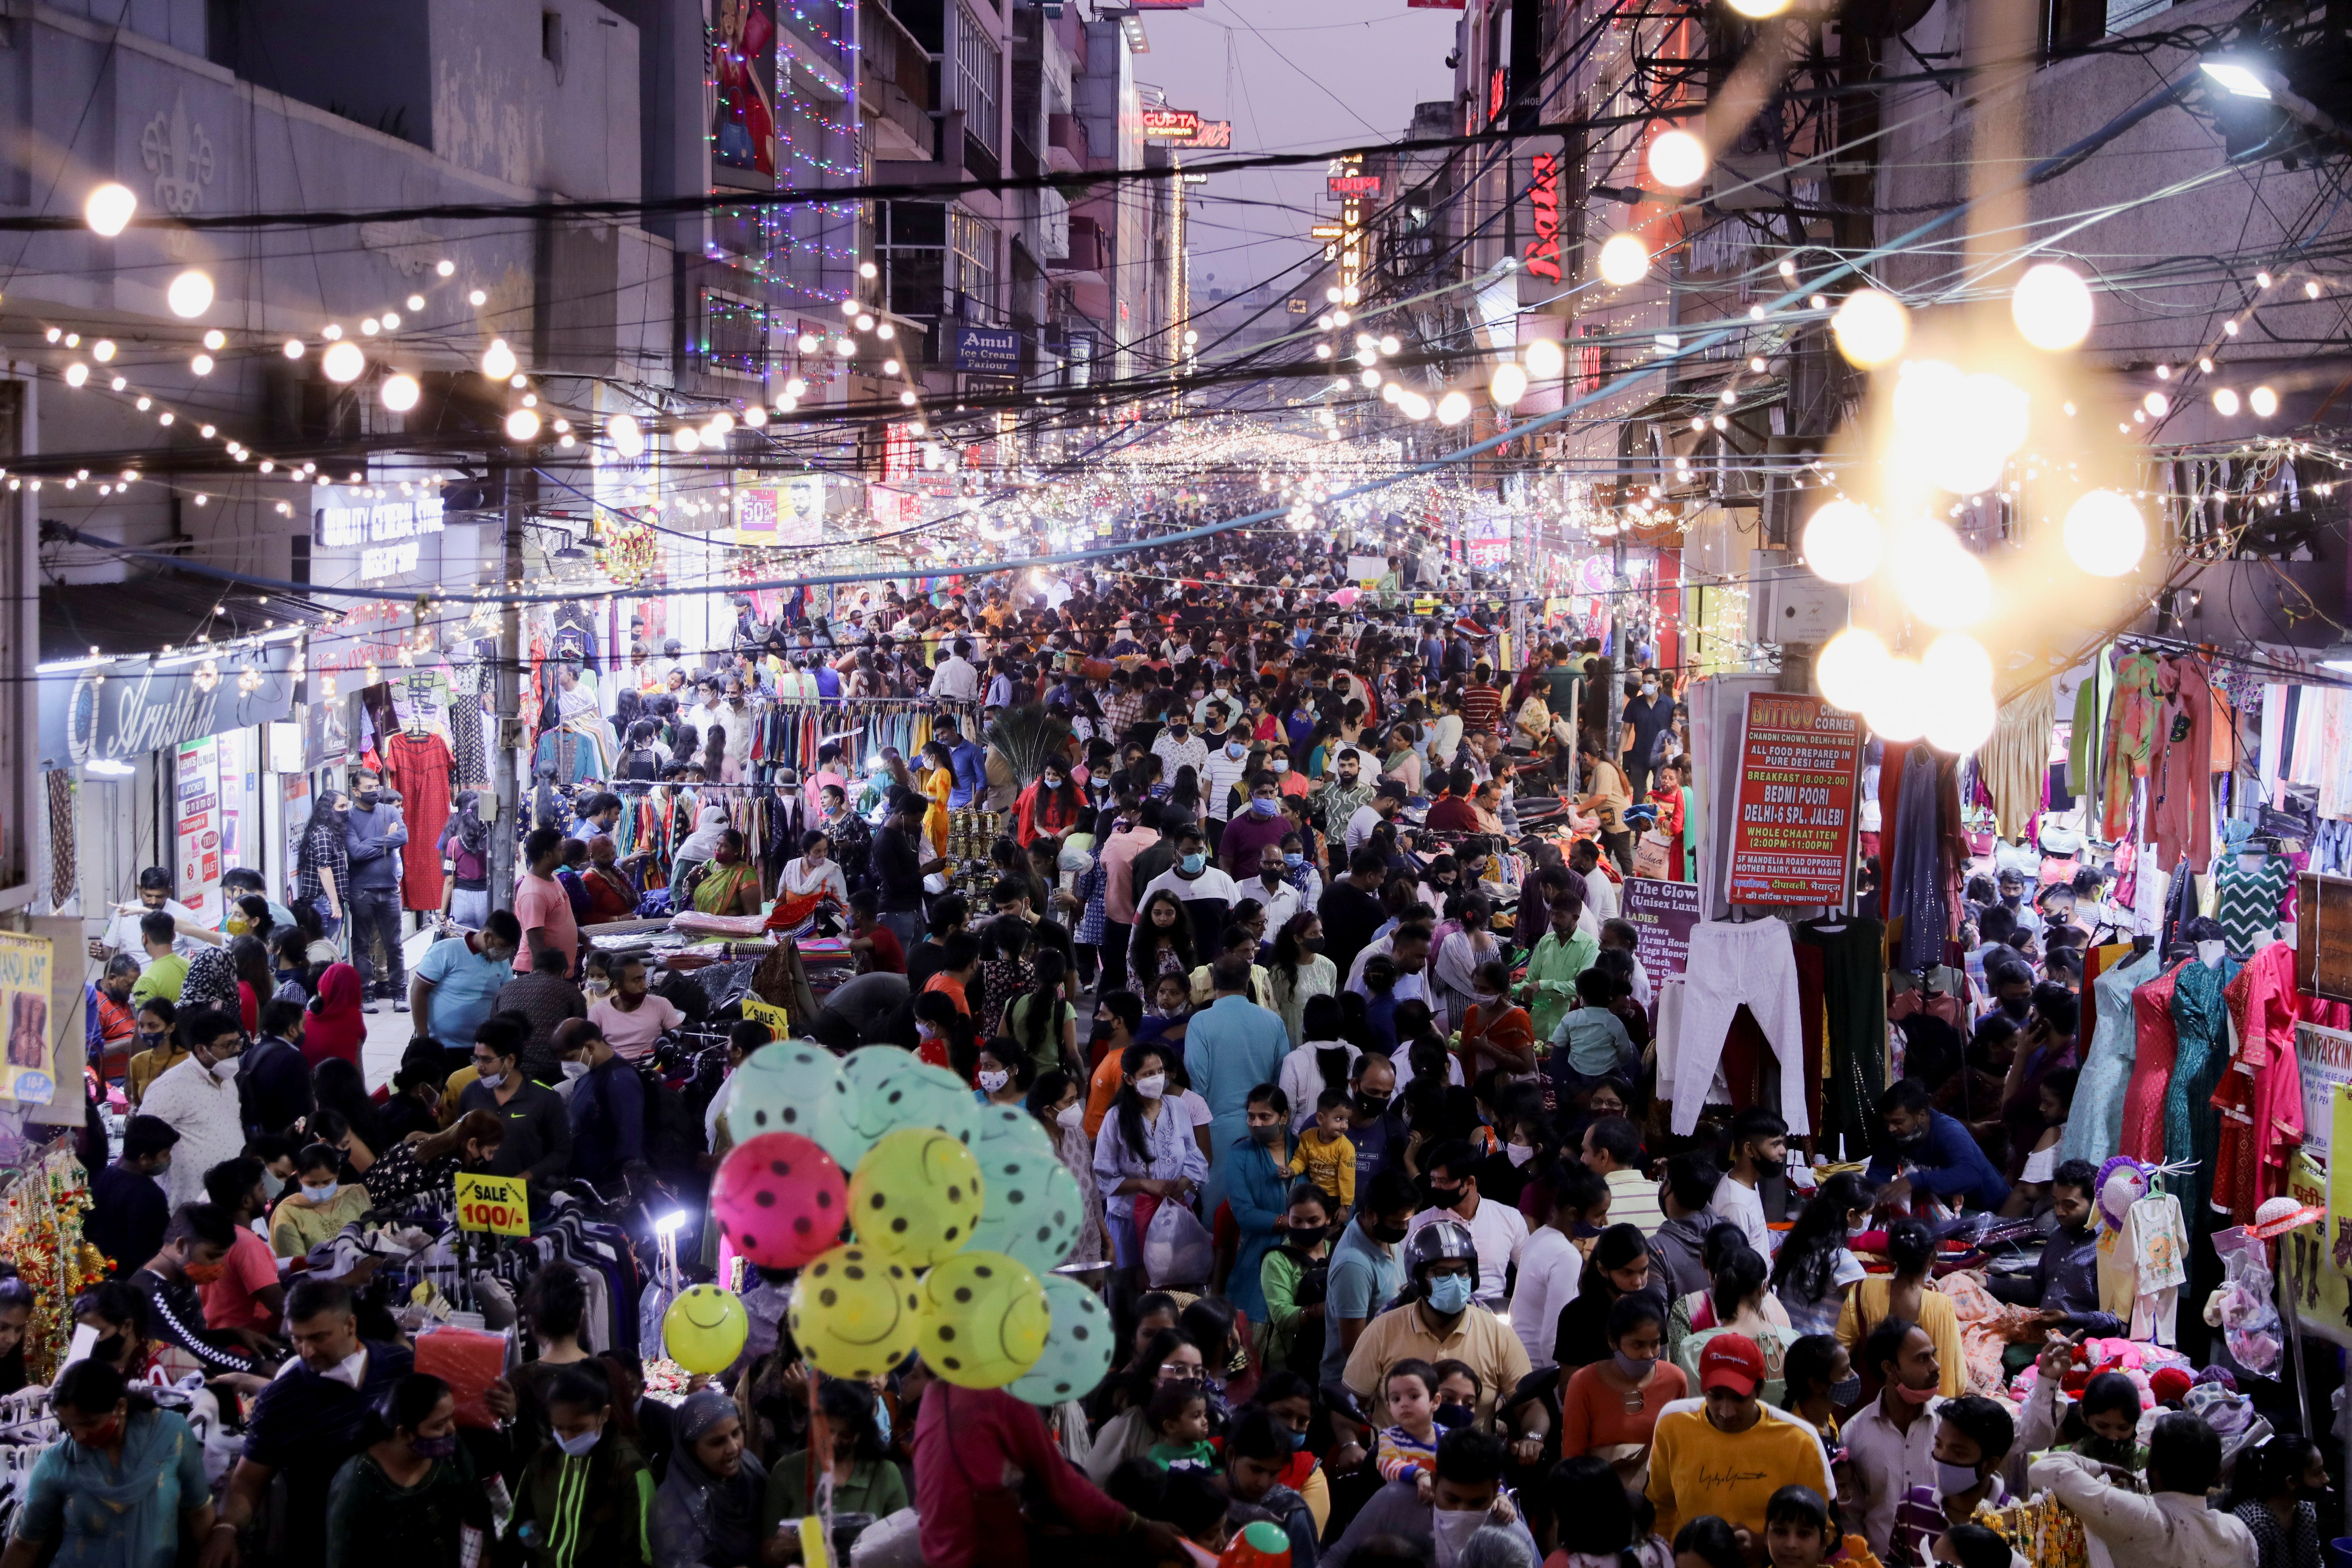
509,715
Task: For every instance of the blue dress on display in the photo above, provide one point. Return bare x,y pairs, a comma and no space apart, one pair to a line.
2095,1130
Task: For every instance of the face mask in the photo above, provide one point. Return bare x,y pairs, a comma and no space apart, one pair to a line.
2016,1007
103,1436
990,1082
367,799
322,1195
574,1069
225,1068
1633,1366
1051,783
1071,1115
1952,1479
1910,1395
1151,1085
1846,1390
1268,1135
1194,865
1297,1441
108,1351
1449,1294
1449,1416
1372,1104
272,1183
1236,749
433,1447
1386,1234
1179,730
205,1273
1294,861
577,1448
1451,1529
1519,1153
1280,765
882,1423
1264,806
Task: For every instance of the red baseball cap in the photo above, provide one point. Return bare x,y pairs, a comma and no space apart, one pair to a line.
1732,1362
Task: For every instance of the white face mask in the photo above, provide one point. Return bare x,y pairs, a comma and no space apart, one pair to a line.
574,1069
321,1194
491,1079
224,1069
1151,1085
993,1082
1520,1153
1451,1529
1071,1115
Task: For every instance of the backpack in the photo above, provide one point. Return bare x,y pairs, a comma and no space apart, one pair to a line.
673,1133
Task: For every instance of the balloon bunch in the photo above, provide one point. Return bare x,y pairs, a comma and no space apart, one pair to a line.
935,1241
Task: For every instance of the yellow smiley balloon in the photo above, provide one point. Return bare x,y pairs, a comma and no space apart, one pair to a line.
705,1328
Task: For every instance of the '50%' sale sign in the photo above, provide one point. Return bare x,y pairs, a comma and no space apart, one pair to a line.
497,1203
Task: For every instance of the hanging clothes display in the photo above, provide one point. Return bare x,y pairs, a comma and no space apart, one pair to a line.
469,752
418,765
2259,1097
2094,1130
2158,1243
2179,780
1731,966
1854,988
2130,734
2157,1044
2015,761
2085,744
1914,892
2247,898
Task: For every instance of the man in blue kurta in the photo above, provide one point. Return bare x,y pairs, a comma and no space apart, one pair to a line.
1230,1047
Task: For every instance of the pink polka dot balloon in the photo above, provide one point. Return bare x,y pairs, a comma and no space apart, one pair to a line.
781,1200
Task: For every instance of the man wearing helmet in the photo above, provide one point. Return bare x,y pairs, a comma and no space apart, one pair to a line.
1436,1321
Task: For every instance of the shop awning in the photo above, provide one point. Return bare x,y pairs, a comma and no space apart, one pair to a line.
142,615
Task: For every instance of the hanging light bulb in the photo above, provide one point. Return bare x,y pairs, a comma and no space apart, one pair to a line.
498,359
2052,307
628,437
2104,533
1624,260
1956,674
190,295
1544,359
109,209
1897,710
1941,582
1758,10
1678,160
1452,408
1850,668
687,438
400,393
1842,543
1871,328
1508,386
342,362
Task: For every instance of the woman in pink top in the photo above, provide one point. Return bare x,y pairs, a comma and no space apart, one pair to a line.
1609,1408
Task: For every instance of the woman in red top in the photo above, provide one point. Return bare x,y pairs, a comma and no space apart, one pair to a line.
1495,1032
1048,808
1609,1407
611,895
336,1027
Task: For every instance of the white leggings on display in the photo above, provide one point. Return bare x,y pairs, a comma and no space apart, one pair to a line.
1728,965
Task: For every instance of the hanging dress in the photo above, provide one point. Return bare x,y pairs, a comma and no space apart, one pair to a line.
2094,1130
420,772
2259,1097
2156,1042
2191,1125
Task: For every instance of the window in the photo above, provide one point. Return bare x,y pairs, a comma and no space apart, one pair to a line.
978,64
910,243
551,38
734,338
972,273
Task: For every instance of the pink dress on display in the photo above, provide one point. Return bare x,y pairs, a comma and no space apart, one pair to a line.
2158,1041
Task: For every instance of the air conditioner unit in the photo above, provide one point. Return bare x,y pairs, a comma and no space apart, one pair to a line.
1788,605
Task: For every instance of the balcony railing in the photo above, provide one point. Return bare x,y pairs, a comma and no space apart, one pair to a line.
895,84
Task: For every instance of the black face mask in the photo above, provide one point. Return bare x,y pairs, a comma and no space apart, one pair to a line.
2016,1007
1372,1104
108,1351
1387,1234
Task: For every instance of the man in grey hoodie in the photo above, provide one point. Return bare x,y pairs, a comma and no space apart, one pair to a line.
1677,1248
372,835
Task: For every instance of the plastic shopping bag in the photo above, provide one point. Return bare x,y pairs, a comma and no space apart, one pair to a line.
1177,1249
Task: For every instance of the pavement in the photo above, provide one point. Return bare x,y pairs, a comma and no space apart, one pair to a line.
388,1033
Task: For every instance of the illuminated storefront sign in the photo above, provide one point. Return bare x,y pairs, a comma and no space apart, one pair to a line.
1542,257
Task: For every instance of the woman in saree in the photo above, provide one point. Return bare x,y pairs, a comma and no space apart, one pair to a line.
726,884
579,717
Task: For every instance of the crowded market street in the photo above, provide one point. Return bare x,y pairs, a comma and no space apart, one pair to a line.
1377,783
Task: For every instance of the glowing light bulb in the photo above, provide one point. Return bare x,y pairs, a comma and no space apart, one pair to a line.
342,362
1758,10
1871,328
2225,400
102,350
76,373
2052,307
2262,401
189,295
1452,408
400,393
1898,709
498,359
1544,358
1678,160
1624,259
201,364
1508,386
1941,582
523,425
295,348
628,437
109,209
216,339
1849,668
1842,543
2104,533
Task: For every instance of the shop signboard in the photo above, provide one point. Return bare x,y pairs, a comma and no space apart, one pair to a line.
2324,1059
1170,124
27,1076
743,99
786,515
120,709
1662,915
991,350
1486,540
1792,827
197,799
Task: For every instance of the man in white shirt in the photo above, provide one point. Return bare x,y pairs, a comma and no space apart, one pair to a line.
1408,948
1207,894
1600,892
121,934
1891,1441
1273,889
2169,1528
1760,1143
953,678
1497,1230
1386,802
1177,747
197,1097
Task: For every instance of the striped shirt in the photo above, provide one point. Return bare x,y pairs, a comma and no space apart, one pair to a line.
1633,1200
